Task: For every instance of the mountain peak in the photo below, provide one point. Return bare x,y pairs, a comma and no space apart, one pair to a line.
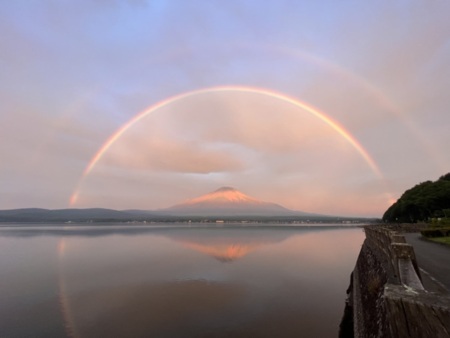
223,195
224,189
228,201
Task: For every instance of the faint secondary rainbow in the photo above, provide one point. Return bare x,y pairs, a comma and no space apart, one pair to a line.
379,96
242,89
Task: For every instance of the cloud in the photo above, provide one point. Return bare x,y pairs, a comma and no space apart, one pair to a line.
169,156
218,131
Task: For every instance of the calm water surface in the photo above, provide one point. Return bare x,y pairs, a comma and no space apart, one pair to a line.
117,281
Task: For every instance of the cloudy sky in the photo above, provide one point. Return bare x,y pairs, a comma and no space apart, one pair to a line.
321,106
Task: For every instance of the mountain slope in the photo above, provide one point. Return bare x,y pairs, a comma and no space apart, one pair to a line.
228,201
421,202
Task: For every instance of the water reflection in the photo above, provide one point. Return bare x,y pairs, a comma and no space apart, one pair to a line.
228,245
164,282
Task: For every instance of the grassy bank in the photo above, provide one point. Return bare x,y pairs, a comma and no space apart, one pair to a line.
442,240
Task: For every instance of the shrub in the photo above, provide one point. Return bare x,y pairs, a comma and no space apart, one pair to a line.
436,232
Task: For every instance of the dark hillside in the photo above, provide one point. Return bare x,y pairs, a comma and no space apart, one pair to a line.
423,201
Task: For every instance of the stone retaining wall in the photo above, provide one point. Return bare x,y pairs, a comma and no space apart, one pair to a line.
386,297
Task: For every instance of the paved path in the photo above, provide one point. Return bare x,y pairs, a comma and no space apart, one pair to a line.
434,262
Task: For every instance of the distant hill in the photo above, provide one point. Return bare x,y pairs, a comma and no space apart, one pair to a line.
227,201
224,204
425,200
62,215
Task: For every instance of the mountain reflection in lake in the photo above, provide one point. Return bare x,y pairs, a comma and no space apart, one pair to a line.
175,282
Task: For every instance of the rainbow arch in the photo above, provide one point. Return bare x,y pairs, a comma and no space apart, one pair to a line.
242,89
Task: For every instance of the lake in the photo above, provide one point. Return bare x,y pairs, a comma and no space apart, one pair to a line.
175,281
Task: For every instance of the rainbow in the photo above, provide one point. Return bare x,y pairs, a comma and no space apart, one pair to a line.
242,89
379,97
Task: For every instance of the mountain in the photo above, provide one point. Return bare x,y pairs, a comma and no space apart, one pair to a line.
224,204
228,201
62,215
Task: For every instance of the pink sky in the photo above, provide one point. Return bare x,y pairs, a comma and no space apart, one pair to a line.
72,74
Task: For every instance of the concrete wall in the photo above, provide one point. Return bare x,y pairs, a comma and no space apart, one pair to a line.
386,297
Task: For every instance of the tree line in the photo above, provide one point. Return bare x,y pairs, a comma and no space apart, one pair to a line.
423,202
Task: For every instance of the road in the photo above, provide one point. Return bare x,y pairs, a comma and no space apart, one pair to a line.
434,262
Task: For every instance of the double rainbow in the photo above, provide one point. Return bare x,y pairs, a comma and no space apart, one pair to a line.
242,89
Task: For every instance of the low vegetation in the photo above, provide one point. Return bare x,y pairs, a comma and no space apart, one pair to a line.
434,232
443,240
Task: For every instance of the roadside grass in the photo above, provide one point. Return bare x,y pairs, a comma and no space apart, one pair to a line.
443,240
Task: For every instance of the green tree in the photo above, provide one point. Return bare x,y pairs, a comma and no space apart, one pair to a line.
423,201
